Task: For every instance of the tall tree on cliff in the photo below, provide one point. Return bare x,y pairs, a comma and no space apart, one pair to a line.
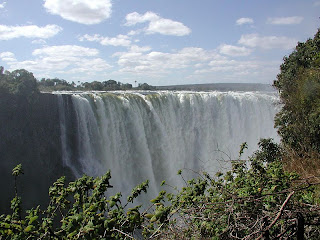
299,86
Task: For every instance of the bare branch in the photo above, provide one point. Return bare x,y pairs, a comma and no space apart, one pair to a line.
278,215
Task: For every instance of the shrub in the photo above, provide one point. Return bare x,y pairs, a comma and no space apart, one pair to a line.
255,199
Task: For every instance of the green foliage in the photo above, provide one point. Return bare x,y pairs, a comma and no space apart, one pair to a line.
17,171
138,190
242,148
78,210
145,86
299,86
238,204
255,196
23,83
20,82
55,84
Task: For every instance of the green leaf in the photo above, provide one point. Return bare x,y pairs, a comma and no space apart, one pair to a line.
153,219
149,216
17,170
32,219
29,228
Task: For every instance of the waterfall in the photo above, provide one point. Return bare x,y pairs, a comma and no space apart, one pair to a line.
151,135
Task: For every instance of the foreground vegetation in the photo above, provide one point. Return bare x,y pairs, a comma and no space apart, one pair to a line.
256,199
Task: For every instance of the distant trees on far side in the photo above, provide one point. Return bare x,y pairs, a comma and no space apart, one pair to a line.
23,82
20,82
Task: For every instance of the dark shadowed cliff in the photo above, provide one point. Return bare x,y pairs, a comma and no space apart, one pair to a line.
29,134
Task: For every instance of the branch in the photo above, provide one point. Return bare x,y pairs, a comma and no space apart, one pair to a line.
279,214
153,234
127,235
280,211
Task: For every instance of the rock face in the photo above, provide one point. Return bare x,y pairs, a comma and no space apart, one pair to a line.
29,134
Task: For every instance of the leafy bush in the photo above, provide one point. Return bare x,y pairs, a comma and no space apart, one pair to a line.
255,199
79,210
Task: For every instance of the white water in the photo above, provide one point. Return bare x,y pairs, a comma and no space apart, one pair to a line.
151,136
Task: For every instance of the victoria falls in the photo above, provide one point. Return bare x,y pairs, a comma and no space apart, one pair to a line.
154,120
152,135
138,135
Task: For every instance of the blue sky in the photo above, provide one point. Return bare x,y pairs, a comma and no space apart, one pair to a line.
160,42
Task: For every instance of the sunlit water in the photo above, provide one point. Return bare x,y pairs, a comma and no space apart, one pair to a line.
151,135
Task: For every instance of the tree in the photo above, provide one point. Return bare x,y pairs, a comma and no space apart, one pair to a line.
126,86
145,86
55,84
20,82
299,86
95,85
111,85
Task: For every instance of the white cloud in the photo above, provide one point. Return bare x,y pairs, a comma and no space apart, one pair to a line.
135,48
80,11
6,54
168,27
28,31
142,61
267,42
229,66
242,21
2,5
235,51
226,70
91,38
285,20
39,41
90,66
192,63
7,57
66,51
134,32
157,24
62,59
134,18
120,40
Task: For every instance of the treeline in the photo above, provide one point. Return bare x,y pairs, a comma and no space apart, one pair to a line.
56,84
22,82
